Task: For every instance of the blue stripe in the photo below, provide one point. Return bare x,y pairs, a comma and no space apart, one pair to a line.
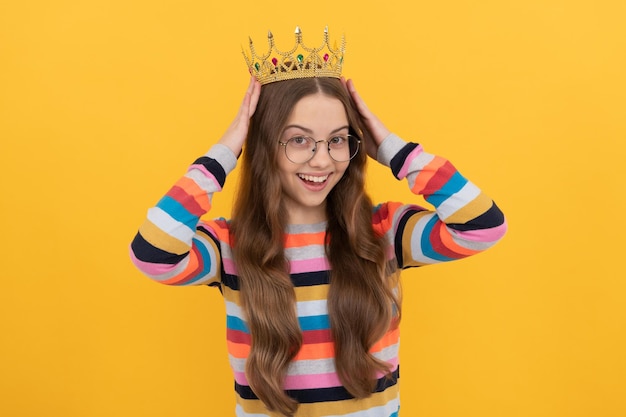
178,212
235,323
306,323
452,186
427,247
205,259
314,322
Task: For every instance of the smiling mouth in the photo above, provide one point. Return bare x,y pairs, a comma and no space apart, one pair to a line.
313,179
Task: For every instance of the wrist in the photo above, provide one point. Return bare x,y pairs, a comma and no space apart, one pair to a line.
224,155
388,148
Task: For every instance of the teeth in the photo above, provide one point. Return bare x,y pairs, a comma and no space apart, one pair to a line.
311,178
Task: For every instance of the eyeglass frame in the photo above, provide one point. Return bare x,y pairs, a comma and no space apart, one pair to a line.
315,142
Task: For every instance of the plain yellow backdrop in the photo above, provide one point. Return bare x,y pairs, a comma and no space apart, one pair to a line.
104,103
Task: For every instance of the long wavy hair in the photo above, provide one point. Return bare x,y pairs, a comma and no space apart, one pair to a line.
361,300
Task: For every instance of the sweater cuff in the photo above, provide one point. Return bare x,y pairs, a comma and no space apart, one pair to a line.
224,156
390,146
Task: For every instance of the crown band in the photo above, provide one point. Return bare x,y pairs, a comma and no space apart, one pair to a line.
298,62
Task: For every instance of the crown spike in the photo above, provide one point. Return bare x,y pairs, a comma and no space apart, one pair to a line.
298,31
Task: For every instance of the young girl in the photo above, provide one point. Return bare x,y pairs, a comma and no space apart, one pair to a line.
308,268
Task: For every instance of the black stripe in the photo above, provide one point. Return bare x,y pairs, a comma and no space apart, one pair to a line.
491,218
208,234
309,279
147,252
213,167
231,281
397,161
398,238
317,395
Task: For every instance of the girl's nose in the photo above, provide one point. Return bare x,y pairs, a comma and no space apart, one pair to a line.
321,156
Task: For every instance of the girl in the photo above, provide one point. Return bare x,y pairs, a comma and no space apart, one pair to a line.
308,268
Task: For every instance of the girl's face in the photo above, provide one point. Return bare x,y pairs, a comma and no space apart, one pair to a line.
306,185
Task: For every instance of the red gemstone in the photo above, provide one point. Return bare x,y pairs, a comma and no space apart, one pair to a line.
274,61
325,57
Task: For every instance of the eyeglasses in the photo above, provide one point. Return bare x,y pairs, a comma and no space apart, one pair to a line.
301,149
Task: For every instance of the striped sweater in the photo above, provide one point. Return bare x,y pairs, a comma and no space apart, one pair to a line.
175,247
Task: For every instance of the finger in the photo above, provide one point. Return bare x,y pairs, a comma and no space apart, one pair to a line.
245,104
360,104
254,97
344,83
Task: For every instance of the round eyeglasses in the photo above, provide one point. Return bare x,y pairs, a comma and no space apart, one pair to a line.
301,149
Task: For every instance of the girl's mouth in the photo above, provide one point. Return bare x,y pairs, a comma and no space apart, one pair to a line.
312,179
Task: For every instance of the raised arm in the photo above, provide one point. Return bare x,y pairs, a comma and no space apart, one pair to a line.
172,246
465,221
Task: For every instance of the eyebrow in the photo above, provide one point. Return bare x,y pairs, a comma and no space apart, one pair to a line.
309,131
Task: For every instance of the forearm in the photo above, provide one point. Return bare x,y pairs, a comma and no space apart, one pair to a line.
465,220
163,246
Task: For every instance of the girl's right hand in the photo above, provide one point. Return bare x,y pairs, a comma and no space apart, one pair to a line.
372,123
235,135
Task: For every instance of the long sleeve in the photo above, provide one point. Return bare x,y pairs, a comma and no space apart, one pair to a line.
464,221
172,246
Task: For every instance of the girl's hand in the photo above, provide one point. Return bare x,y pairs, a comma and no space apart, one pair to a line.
236,133
377,129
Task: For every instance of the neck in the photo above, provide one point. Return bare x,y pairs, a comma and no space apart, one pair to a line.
306,215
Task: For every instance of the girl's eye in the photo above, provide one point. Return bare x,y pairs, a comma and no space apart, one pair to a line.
299,141
337,141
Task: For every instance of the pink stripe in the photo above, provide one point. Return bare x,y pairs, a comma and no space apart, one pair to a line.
484,235
309,265
241,379
312,381
151,268
207,174
405,168
394,365
229,266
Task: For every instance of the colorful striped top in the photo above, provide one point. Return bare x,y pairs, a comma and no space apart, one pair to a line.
175,247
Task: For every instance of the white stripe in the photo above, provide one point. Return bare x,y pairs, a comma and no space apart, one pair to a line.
458,200
419,162
169,225
237,364
388,353
305,252
239,412
207,183
162,277
312,367
470,244
383,410
234,310
416,245
180,267
304,308
312,308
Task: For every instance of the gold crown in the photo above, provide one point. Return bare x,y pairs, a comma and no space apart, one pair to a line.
298,62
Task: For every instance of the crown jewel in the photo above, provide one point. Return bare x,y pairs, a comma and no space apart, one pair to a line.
298,62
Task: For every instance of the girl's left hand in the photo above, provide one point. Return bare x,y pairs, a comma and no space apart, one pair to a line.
235,135
377,129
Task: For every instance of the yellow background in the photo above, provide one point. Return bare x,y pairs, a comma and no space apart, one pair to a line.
104,103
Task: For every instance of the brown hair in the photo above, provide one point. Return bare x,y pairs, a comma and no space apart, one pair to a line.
361,300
